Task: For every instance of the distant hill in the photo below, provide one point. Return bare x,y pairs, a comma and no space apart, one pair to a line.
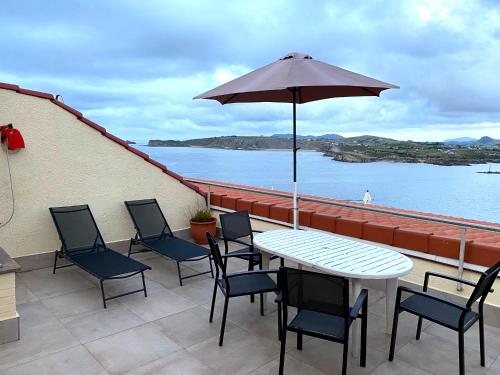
243,143
332,136
362,149
458,141
468,141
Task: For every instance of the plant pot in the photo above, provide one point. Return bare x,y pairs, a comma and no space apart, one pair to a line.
199,230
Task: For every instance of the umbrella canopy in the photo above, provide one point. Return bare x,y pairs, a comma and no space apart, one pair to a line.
295,78
314,80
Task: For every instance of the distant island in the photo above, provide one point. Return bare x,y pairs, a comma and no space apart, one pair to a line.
362,149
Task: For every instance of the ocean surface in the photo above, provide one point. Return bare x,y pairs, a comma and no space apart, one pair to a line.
457,191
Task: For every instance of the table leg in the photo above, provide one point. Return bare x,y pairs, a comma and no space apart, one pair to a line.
391,287
266,259
356,289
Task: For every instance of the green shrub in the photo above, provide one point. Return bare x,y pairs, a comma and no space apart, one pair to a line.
202,216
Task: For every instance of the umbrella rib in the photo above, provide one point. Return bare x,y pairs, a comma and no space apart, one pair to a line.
229,99
370,91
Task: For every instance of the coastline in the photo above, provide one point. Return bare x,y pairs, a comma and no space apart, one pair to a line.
458,163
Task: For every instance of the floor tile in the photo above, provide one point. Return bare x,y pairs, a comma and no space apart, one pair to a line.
242,352
76,303
23,294
495,367
292,367
160,303
43,283
327,357
75,361
33,314
36,341
398,367
439,356
378,338
101,323
164,272
178,363
198,291
471,339
131,349
191,326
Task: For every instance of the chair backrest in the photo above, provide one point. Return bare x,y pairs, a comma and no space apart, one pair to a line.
217,257
148,219
314,291
77,229
484,284
235,225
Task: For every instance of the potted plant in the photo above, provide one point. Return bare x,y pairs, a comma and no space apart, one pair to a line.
202,222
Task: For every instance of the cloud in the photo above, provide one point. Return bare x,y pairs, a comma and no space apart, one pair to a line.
134,67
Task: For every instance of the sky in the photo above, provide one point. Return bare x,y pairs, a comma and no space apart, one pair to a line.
134,66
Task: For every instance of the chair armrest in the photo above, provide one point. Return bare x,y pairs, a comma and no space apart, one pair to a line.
229,255
255,272
448,277
236,241
363,295
430,296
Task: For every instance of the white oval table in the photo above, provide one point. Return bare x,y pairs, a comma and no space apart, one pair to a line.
342,256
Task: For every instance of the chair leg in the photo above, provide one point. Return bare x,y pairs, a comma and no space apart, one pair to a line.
282,351
393,334
345,354
213,302
481,339
102,293
144,284
211,268
250,268
419,328
279,323
179,273
262,304
299,341
223,325
55,263
461,359
364,328
130,248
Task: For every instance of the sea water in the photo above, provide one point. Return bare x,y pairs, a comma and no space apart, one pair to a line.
449,190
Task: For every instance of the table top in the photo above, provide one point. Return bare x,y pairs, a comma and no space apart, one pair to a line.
335,254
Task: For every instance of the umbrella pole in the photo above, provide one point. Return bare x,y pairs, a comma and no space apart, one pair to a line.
295,200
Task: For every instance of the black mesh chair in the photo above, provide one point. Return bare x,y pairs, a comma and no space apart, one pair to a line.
237,284
83,245
236,227
323,310
154,233
456,316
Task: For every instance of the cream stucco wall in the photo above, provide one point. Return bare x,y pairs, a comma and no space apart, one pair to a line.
67,163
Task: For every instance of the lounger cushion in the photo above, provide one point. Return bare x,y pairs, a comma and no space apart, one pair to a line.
177,248
107,263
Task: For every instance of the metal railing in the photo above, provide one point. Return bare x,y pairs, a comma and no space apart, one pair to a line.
463,225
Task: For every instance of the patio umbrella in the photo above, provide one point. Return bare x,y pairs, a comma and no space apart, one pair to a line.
296,78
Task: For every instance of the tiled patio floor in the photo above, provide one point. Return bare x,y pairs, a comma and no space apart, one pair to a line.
65,330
